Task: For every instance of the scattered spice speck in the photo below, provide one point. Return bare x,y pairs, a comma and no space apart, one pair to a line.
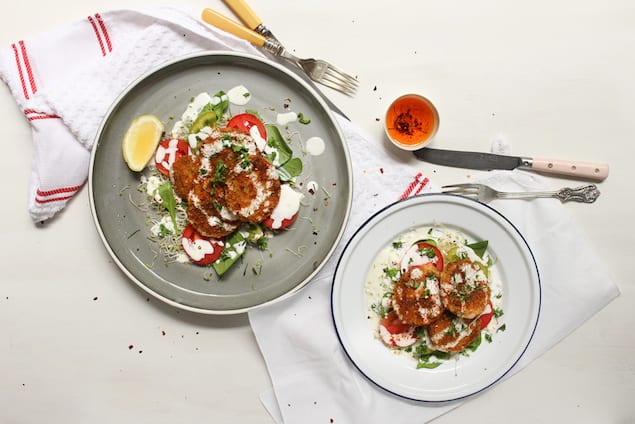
163,332
130,347
375,88
381,170
95,298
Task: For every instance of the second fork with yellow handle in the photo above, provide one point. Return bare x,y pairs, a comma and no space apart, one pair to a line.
319,71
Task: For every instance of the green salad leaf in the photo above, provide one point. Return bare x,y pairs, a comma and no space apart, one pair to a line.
291,169
479,247
168,201
281,150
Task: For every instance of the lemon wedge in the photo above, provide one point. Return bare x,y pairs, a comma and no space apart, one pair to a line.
141,140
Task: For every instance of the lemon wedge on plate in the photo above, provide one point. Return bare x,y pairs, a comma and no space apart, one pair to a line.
141,140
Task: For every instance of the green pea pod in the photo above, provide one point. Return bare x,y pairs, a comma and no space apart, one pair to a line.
234,248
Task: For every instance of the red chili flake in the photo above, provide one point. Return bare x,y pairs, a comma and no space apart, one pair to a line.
334,184
381,170
95,298
377,119
331,420
162,332
311,191
130,347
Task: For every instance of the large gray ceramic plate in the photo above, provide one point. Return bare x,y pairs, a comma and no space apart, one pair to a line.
296,255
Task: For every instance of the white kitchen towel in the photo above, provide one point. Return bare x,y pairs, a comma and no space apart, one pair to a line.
65,96
315,382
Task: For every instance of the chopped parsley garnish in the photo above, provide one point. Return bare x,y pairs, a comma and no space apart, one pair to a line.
391,273
302,119
220,172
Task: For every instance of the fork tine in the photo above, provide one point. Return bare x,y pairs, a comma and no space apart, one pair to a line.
336,86
460,190
464,185
345,86
342,76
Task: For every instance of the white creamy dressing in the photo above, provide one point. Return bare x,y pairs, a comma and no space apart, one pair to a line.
288,205
286,118
378,283
315,146
198,248
261,143
193,109
166,222
312,187
398,340
152,188
167,155
239,95
202,135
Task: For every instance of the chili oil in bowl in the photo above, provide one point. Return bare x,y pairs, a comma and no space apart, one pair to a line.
411,121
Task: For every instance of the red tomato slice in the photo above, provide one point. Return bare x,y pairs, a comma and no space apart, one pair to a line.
269,223
244,121
486,317
168,151
286,211
437,252
200,249
393,324
395,333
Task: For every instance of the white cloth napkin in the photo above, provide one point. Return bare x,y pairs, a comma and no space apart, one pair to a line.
313,380
66,79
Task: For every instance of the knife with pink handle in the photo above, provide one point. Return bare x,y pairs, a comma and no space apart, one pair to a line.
489,161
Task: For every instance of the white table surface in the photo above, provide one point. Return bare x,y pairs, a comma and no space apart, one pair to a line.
555,79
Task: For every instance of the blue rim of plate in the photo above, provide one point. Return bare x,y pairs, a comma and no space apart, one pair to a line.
369,222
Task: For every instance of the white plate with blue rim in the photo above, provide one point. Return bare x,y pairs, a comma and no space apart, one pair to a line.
454,379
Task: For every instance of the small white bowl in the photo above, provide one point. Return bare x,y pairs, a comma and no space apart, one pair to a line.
411,121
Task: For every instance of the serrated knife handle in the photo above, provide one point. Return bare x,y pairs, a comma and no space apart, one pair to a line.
585,170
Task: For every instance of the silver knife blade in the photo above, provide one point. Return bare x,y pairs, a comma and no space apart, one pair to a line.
470,160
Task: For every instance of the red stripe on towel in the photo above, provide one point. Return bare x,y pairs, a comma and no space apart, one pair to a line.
55,199
415,187
104,31
58,191
27,63
98,35
18,65
34,115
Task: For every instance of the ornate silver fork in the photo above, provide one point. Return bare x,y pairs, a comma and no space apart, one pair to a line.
318,70
485,194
